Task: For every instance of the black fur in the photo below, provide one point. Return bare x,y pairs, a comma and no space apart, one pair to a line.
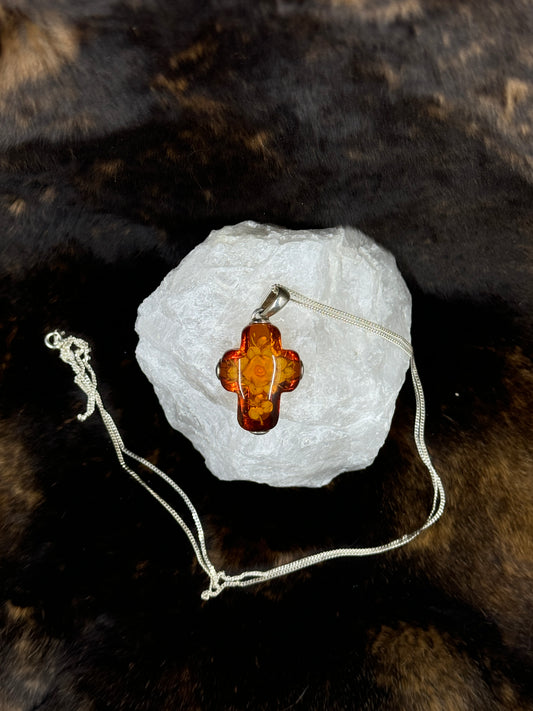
127,132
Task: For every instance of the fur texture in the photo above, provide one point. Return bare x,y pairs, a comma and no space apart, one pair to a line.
130,129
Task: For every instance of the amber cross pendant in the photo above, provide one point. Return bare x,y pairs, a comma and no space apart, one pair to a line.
260,370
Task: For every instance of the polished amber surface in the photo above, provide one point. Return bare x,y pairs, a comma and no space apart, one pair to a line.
259,371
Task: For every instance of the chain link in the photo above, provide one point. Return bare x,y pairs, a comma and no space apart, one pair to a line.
76,353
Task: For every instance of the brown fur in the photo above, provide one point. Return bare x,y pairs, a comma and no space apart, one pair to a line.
127,132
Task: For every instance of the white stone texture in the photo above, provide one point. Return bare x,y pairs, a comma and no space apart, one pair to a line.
339,415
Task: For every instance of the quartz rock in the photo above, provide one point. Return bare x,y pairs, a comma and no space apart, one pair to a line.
338,417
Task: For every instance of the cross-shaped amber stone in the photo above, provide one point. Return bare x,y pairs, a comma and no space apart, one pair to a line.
259,371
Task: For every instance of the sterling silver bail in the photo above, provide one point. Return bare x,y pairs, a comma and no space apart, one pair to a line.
277,298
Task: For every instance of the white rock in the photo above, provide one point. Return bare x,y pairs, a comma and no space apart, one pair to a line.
339,415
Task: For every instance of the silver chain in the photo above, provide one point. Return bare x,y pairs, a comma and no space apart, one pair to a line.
76,353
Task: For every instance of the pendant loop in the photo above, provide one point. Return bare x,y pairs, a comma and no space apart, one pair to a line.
277,298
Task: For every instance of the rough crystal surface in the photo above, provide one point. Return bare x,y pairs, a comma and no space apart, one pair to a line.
339,416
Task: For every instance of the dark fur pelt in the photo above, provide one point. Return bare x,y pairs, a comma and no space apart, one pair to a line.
128,131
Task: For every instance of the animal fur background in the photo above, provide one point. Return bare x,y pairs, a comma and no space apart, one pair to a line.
128,130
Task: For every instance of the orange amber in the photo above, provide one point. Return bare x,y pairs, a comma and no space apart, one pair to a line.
259,371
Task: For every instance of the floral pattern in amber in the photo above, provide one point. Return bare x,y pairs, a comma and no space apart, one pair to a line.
259,371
